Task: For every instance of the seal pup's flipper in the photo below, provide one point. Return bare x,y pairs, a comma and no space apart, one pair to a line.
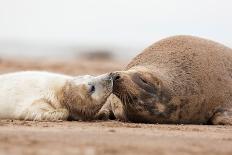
41,110
112,109
222,117
105,112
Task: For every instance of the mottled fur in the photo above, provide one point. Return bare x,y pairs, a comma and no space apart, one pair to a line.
195,77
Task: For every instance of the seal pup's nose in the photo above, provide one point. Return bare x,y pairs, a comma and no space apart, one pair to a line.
115,76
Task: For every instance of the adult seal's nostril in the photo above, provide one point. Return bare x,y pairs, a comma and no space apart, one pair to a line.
115,76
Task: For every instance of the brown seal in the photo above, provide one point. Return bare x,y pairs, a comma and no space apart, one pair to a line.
180,79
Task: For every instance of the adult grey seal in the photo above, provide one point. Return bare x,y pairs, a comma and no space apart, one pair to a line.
180,79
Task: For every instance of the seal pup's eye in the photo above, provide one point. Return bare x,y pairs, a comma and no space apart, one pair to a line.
92,89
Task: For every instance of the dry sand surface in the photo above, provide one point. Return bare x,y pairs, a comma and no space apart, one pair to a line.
113,138
104,137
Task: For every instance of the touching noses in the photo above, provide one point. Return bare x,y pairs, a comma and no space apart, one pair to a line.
115,76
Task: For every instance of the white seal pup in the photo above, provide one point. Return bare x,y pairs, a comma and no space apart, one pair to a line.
44,96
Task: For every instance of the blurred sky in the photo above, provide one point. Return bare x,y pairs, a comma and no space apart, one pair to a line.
39,26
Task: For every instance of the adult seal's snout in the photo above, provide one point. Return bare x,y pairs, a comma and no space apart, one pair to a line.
115,76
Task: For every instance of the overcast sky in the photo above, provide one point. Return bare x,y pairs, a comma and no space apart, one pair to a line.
129,23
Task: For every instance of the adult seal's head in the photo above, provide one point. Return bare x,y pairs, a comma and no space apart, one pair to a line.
143,93
181,79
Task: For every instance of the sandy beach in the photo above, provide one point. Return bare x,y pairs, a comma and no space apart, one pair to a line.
103,137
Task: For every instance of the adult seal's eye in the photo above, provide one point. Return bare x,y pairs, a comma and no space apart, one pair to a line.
144,81
92,89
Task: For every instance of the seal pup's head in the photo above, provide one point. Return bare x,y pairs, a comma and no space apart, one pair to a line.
84,95
143,95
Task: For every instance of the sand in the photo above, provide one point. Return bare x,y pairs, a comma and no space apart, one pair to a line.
103,137
113,138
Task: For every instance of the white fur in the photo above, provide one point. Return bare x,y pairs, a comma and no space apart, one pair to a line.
18,91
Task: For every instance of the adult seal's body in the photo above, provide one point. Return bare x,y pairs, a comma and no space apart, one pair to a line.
181,79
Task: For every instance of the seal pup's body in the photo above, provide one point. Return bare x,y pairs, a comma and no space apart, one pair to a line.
34,95
181,79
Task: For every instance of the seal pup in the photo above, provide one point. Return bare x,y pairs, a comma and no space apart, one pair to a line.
180,80
34,95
